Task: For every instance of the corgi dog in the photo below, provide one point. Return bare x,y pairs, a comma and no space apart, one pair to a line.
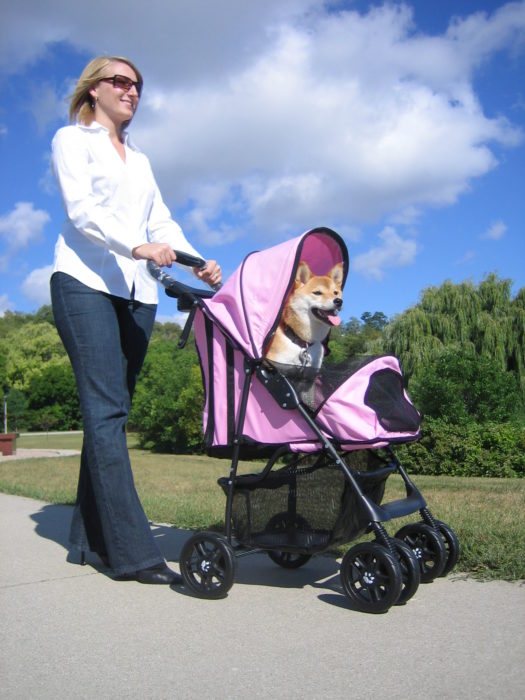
309,312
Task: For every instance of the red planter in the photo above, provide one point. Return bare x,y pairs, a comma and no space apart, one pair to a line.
7,444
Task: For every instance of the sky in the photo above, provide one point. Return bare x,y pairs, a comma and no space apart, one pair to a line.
400,125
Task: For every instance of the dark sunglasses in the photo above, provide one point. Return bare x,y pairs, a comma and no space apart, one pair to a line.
122,83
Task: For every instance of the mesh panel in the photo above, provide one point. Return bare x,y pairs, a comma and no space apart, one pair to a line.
314,386
385,396
305,506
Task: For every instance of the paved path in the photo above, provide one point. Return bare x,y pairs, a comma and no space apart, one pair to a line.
70,631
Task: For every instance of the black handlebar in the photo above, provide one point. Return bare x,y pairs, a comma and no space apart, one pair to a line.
173,288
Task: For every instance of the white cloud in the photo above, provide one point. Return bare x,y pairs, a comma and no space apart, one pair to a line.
5,304
393,251
22,226
178,318
495,231
272,117
469,255
36,285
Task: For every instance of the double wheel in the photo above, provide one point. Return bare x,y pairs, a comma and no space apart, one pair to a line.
436,549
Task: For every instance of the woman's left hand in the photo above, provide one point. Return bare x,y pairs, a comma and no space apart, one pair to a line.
211,274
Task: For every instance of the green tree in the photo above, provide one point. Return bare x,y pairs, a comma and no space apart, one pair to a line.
460,386
168,398
16,409
483,319
53,392
30,347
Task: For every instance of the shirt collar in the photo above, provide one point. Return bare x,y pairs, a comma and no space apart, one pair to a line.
95,126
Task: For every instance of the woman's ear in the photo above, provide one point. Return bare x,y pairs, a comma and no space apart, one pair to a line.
93,93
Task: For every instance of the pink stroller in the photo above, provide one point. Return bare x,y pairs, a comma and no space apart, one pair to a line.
326,437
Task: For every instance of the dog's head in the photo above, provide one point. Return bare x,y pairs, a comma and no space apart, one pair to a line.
315,301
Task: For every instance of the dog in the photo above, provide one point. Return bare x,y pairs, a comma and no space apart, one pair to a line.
309,312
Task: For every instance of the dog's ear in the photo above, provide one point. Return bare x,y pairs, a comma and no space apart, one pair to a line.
336,273
303,274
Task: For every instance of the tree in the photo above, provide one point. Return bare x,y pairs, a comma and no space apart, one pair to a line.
16,409
53,392
460,386
30,347
168,399
483,319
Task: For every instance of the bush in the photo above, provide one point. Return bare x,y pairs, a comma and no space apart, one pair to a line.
490,449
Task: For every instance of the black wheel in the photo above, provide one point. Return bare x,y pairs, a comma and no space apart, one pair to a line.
208,565
451,545
410,574
371,577
289,560
428,547
282,523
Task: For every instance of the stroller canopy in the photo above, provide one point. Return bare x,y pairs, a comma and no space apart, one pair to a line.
249,305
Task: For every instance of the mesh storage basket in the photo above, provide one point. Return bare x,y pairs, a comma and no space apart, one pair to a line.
307,505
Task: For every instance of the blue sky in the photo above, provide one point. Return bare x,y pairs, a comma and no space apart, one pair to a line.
399,125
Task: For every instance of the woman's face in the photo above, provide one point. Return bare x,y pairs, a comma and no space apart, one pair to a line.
115,100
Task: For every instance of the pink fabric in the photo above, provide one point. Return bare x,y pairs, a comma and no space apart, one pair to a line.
245,310
250,301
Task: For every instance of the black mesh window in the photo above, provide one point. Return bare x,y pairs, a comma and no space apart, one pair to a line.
385,396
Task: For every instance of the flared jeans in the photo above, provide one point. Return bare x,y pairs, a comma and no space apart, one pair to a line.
106,338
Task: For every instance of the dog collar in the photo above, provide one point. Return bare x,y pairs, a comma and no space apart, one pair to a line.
292,335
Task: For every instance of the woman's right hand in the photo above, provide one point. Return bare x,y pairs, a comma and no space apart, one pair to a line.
160,253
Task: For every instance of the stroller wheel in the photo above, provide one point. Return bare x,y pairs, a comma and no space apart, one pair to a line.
289,560
208,565
371,577
428,547
288,528
451,545
410,574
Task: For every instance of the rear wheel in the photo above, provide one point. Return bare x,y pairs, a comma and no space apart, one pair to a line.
286,523
428,547
208,565
451,545
371,577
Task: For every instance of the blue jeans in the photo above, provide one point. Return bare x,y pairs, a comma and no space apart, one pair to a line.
106,338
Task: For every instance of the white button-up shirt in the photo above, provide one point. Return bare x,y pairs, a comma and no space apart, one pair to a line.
111,207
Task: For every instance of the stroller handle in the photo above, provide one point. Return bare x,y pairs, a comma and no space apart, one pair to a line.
172,286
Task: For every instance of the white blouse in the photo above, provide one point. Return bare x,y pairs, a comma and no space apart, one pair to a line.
111,207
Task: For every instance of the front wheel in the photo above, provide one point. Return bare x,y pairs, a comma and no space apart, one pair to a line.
451,545
208,565
410,573
371,577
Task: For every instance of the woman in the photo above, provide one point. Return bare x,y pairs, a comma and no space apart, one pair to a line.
104,303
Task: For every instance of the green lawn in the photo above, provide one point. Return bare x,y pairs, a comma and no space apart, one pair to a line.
488,515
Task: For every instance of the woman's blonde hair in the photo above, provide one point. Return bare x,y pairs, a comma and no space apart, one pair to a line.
82,105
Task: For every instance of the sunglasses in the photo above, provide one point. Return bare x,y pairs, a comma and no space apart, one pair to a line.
122,83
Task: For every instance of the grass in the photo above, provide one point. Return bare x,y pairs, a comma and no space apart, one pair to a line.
488,515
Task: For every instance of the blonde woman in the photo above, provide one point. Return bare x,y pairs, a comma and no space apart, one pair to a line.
104,303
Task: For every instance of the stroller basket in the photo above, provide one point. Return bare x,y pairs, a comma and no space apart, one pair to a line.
305,506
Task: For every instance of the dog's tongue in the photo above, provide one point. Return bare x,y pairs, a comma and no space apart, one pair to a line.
334,320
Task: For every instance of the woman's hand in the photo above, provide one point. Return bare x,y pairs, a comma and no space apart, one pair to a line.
160,253
211,274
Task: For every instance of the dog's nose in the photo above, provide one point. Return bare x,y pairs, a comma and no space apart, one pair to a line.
338,302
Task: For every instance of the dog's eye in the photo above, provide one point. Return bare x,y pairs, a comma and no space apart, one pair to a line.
318,293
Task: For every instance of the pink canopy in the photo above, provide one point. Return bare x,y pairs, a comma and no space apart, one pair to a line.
249,305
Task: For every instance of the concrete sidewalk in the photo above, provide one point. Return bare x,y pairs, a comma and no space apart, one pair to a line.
70,631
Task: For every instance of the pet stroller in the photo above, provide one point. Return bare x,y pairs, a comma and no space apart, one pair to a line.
326,437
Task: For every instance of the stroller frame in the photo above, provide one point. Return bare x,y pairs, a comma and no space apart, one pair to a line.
375,575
